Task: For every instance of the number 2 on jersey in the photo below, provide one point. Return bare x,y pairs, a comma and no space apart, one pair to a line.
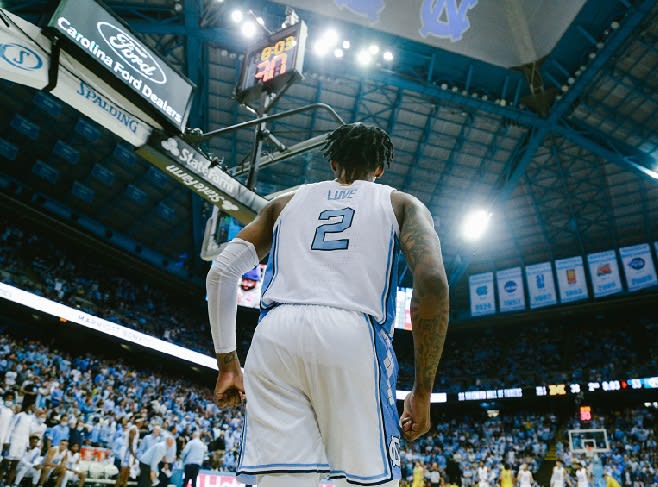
319,242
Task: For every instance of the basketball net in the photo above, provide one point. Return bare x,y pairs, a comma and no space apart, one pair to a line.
589,452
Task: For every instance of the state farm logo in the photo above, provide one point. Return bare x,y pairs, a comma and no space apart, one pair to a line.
132,52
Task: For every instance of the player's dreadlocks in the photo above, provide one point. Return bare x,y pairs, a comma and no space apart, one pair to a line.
358,148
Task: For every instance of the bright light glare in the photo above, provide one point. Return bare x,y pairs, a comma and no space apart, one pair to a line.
330,37
260,20
338,53
320,48
248,29
346,44
237,16
373,49
475,224
388,56
364,58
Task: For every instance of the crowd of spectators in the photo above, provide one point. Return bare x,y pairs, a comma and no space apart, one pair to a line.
87,401
494,358
468,444
486,358
91,401
35,263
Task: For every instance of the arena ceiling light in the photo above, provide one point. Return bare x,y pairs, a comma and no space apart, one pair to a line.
364,57
237,16
338,52
475,224
346,44
330,37
320,48
248,29
373,49
388,56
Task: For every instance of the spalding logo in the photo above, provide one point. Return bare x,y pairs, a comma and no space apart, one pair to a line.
510,286
481,291
133,53
636,263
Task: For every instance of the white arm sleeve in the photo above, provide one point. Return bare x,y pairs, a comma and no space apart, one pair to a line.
238,257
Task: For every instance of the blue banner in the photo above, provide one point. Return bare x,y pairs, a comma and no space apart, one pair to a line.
511,295
482,294
541,285
571,279
604,271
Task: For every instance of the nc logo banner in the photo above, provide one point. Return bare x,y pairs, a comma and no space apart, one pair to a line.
638,267
541,285
482,294
511,296
604,270
365,8
445,19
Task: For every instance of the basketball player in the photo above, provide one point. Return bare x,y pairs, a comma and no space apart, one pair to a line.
506,476
126,450
483,475
30,464
582,476
418,479
557,477
19,439
525,476
321,372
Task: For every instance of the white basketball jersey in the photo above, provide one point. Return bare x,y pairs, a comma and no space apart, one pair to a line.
335,245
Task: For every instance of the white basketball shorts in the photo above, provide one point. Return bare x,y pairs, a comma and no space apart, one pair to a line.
320,387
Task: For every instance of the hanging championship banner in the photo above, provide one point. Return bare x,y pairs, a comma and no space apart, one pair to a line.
604,270
638,267
511,296
482,294
541,285
571,279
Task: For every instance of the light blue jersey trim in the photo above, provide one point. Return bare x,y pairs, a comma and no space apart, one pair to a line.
378,400
347,475
271,272
387,284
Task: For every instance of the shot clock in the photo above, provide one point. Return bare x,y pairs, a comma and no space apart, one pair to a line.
273,64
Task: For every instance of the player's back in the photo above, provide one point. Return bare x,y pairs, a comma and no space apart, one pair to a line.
335,245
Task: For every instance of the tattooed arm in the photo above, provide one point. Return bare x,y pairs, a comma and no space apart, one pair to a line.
429,306
254,243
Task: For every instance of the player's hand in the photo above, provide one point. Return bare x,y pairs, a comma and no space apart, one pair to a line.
229,390
415,419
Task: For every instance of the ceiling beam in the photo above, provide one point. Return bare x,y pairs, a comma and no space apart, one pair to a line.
607,147
516,167
227,39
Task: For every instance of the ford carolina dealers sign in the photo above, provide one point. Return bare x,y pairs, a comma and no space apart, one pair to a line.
107,40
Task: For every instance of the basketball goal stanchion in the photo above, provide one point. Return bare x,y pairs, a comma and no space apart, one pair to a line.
268,71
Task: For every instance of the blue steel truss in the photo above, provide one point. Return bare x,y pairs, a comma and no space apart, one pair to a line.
447,80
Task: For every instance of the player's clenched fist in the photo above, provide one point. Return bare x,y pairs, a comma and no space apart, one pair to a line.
415,419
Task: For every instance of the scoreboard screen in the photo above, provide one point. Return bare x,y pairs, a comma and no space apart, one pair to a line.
273,64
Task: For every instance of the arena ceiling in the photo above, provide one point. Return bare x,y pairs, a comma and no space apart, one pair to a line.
562,150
